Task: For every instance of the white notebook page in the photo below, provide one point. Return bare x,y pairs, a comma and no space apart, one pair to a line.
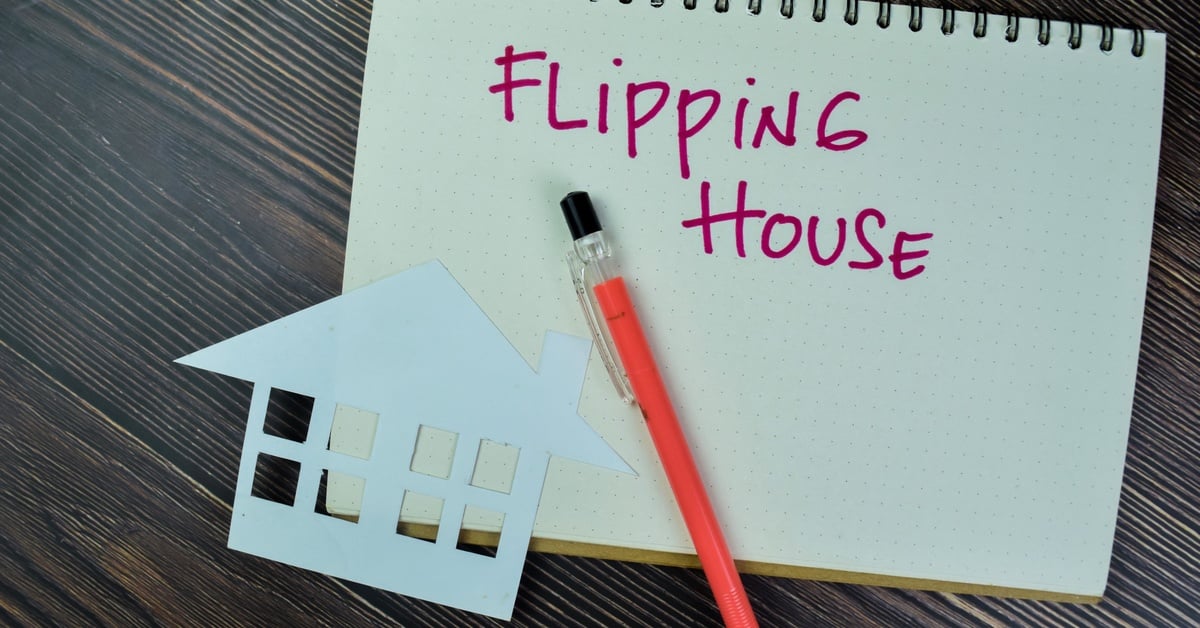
966,423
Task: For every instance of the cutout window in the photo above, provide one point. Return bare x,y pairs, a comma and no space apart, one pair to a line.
495,466
288,415
353,432
348,488
481,530
275,479
420,516
343,494
434,452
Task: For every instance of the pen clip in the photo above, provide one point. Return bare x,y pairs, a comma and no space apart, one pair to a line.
604,345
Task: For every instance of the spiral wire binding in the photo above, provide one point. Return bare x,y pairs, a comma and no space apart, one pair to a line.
1043,35
787,9
947,21
1014,26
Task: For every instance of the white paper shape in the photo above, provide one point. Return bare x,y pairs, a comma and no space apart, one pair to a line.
415,349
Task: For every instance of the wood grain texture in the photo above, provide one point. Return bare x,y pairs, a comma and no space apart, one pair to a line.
172,174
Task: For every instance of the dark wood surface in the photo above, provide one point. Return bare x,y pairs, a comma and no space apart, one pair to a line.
172,174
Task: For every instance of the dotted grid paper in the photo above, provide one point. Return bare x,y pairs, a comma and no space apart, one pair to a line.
967,424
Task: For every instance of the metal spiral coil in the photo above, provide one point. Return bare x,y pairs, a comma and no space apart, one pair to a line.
916,21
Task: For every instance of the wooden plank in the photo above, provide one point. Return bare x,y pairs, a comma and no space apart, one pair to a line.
98,530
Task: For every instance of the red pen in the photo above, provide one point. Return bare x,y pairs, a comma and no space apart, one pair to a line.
614,323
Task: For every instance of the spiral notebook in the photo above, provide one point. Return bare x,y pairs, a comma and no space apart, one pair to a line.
892,260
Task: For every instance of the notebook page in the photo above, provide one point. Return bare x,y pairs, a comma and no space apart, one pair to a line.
940,389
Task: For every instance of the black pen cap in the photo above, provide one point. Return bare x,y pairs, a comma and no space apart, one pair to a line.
581,216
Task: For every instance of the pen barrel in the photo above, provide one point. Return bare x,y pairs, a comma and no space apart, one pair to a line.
616,307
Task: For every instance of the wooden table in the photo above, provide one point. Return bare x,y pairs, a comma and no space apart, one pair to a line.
172,174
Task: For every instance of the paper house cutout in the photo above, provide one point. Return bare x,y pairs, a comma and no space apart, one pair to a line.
417,351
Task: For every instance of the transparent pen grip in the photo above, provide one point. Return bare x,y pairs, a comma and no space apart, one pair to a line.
582,276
